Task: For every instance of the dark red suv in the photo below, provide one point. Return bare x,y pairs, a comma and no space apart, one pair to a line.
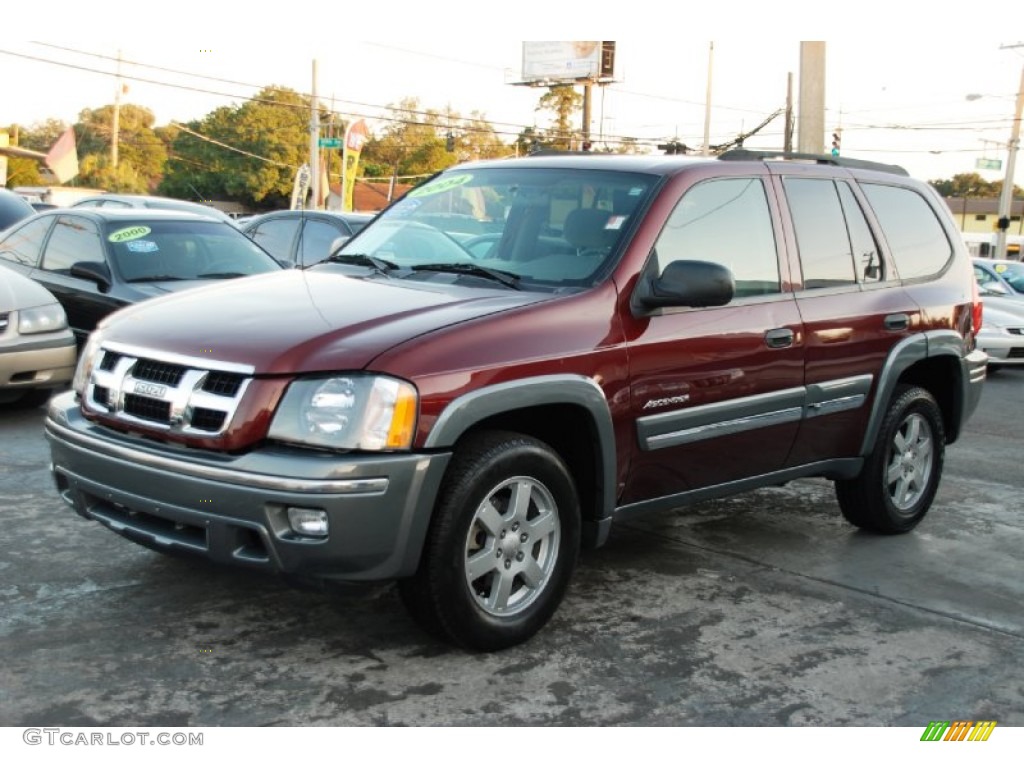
519,353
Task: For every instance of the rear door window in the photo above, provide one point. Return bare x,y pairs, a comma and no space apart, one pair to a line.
276,236
833,238
912,229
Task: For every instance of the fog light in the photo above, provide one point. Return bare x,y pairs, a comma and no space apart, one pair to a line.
308,522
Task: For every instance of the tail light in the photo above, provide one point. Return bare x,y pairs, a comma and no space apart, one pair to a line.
976,307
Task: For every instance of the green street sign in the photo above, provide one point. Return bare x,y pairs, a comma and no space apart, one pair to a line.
330,143
988,165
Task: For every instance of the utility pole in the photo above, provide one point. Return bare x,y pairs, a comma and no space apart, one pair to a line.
707,103
116,127
1006,197
586,118
811,110
787,142
314,145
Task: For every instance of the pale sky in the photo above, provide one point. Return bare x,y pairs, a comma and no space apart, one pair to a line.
896,82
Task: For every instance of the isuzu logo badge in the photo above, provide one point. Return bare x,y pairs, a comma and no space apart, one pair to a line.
153,390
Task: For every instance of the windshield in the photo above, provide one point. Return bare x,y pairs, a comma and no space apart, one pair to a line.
148,249
540,228
1013,273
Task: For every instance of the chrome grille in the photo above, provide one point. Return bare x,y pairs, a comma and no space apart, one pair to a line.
162,373
181,395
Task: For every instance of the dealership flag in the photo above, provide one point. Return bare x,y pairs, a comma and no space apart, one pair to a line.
62,158
355,136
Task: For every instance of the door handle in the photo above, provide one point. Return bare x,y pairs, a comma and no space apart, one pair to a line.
898,322
779,338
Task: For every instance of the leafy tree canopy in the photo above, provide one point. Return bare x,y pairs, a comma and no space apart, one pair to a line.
141,153
971,185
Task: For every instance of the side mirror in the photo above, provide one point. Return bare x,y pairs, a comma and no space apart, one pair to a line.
96,271
688,284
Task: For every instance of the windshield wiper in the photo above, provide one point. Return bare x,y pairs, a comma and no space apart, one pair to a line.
156,278
508,279
383,266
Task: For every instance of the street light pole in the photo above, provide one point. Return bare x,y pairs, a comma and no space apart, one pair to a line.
1006,198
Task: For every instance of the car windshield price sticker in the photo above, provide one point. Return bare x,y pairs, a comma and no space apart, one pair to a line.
142,246
442,185
129,233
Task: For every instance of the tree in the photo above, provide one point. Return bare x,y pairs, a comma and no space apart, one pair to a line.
249,153
564,101
23,171
972,185
413,143
141,153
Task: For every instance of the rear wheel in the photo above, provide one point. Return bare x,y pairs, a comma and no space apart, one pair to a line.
901,474
501,547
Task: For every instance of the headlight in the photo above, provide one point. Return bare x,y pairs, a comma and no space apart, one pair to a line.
356,412
42,319
86,361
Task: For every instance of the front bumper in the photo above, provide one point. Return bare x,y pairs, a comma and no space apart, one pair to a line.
233,508
37,363
1002,348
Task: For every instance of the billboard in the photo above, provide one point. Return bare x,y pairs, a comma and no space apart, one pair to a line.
546,61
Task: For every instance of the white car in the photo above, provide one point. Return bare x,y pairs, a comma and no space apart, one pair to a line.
37,349
1002,331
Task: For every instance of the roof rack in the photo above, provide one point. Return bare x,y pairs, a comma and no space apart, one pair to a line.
843,162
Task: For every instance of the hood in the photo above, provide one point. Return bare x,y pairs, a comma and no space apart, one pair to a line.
298,321
147,290
20,292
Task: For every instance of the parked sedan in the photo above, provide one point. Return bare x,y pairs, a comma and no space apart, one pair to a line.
1001,272
110,201
303,238
1002,328
37,349
95,261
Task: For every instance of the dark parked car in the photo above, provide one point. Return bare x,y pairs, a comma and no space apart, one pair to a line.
109,201
637,333
303,238
13,208
95,261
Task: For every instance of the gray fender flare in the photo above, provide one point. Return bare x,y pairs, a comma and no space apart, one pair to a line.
911,350
569,389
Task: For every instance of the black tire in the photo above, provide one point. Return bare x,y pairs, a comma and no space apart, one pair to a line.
492,572
896,487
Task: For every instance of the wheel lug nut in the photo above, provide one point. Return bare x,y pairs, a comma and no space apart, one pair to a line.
499,553
519,557
515,526
523,537
503,533
508,564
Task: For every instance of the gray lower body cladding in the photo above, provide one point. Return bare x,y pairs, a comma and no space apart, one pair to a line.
234,509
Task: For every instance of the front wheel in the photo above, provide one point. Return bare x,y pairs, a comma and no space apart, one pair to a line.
901,474
501,547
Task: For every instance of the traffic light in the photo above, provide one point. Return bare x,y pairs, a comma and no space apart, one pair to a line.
673,148
836,139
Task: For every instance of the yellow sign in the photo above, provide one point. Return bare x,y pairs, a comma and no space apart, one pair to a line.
129,233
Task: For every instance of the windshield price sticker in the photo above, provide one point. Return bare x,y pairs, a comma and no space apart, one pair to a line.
441,185
129,233
142,246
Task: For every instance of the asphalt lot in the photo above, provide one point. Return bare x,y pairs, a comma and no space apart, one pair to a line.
764,609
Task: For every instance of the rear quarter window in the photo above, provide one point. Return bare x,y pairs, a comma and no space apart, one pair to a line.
913,230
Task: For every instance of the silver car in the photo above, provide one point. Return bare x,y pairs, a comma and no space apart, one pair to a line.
37,349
